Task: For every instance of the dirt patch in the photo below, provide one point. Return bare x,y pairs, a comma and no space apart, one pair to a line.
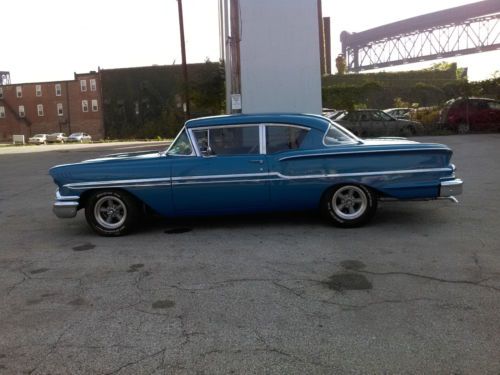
39,270
84,247
163,304
348,281
353,265
135,267
77,302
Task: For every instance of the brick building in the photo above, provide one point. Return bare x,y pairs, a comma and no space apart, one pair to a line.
48,107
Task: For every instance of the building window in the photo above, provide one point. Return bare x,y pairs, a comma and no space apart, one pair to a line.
83,85
58,89
60,111
2,112
22,113
1,92
85,105
38,90
93,86
95,106
39,109
19,91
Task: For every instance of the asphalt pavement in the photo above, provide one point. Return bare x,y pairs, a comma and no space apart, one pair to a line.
417,291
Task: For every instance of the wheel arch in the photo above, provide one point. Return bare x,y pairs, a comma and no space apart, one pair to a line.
377,193
85,196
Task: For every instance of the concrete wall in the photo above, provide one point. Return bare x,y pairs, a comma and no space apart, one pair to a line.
280,57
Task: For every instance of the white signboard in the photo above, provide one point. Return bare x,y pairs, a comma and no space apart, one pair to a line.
236,101
280,56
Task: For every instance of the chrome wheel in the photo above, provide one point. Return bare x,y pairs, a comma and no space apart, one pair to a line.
110,212
349,202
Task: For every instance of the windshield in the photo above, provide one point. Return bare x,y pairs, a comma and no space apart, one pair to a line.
337,135
181,145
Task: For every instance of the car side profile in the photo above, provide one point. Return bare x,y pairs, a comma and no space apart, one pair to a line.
57,138
79,137
374,122
255,163
471,114
38,139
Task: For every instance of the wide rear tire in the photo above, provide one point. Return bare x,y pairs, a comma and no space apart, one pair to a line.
112,213
349,206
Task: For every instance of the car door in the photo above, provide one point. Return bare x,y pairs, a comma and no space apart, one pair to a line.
283,145
228,175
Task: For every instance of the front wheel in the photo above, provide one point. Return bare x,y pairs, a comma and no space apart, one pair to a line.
349,206
111,212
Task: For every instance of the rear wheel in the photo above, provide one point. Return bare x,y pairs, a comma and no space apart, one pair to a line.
349,205
111,212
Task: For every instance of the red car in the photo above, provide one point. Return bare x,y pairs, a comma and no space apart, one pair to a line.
466,114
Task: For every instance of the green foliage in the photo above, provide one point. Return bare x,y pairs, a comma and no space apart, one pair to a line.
147,102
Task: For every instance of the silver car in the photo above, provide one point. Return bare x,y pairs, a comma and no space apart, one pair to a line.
57,137
79,137
374,122
38,139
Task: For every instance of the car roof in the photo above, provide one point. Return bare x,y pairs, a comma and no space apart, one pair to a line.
309,120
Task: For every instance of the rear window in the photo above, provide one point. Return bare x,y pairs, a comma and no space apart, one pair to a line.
283,138
338,136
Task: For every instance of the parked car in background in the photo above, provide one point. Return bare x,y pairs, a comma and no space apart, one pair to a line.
38,139
79,137
335,114
401,113
465,114
374,122
255,163
57,138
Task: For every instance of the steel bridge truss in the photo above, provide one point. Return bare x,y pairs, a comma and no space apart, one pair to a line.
479,34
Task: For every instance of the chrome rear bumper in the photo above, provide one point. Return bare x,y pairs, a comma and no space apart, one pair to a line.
451,188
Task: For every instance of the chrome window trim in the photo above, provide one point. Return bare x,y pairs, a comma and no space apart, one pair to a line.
287,125
262,139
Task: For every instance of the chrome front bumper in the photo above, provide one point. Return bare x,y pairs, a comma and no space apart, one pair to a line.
65,207
451,188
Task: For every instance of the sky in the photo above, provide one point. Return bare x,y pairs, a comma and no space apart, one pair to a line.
49,40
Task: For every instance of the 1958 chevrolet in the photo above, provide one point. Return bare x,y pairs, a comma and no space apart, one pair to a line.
254,163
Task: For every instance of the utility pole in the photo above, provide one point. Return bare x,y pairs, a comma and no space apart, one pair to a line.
187,113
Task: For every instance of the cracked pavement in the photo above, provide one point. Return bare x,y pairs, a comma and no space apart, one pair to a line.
251,295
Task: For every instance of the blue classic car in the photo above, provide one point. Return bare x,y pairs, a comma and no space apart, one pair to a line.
255,163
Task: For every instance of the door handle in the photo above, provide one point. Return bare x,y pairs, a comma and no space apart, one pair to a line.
260,161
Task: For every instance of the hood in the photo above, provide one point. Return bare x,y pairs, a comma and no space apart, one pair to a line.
126,156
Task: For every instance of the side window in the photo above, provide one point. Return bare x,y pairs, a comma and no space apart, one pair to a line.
494,105
232,140
181,145
283,138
